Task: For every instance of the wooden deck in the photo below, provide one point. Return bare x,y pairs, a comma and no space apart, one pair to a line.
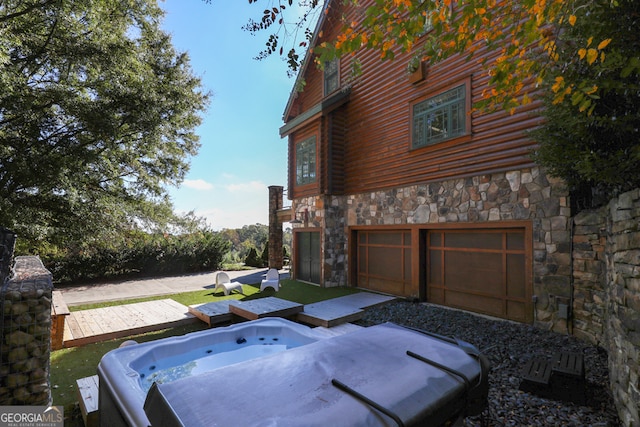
100,324
327,313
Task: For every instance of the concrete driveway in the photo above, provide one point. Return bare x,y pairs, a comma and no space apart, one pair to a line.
139,288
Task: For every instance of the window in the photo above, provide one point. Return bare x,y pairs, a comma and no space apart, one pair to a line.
439,118
306,161
331,80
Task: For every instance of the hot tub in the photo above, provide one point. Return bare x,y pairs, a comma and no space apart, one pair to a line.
383,375
126,374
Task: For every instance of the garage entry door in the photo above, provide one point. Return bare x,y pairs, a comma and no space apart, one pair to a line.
480,270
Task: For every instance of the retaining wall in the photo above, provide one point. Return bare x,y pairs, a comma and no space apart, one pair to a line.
606,306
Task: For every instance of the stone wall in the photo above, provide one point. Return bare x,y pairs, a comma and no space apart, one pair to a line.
589,275
606,271
527,195
25,333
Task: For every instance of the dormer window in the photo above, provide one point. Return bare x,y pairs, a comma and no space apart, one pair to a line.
331,78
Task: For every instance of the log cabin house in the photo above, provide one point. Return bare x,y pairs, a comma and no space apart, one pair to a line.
398,187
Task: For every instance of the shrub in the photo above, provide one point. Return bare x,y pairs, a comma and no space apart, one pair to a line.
143,254
252,258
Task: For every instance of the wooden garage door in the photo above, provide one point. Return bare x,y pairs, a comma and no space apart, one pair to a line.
384,261
480,270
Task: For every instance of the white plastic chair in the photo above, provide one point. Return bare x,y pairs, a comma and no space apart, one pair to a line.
223,282
272,280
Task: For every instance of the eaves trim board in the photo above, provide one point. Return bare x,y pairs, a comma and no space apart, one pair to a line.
323,107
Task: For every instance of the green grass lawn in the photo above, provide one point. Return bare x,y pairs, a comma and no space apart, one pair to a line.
70,364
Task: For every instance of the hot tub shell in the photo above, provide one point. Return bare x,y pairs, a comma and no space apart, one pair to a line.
384,375
122,393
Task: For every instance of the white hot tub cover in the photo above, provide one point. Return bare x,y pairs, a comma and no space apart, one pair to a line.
384,375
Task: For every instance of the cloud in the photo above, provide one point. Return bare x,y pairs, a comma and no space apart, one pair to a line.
197,184
246,187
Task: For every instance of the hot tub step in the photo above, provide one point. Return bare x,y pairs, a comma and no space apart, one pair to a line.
562,378
212,313
264,307
329,313
88,398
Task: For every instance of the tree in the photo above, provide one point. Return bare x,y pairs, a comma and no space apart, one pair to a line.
97,117
436,29
252,259
599,150
245,238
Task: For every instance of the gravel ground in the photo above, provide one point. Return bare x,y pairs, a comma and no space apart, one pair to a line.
508,346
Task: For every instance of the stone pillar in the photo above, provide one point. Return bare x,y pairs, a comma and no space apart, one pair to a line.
275,227
25,334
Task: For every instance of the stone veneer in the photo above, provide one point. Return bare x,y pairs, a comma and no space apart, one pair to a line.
607,293
527,195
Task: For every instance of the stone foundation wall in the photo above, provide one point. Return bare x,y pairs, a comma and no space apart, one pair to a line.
25,333
527,195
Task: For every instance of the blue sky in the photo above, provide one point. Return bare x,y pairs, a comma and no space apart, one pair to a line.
242,152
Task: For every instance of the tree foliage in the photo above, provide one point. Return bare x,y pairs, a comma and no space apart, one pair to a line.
97,117
600,149
432,30
244,239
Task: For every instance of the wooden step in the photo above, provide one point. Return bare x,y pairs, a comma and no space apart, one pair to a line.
562,378
212,313
568,364
536,375
568,377
329,313
88,398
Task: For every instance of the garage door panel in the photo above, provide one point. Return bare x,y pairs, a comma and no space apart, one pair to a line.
478,240
479,303
515,241
384,261
435,295
516,285
480,270
388,262
471,271
380,284
435,270
517,311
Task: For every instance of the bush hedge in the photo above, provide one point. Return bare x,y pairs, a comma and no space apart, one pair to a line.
144,255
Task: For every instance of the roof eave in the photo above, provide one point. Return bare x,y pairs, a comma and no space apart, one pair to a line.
306,61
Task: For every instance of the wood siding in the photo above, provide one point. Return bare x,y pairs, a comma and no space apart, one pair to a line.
335,152
371,148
